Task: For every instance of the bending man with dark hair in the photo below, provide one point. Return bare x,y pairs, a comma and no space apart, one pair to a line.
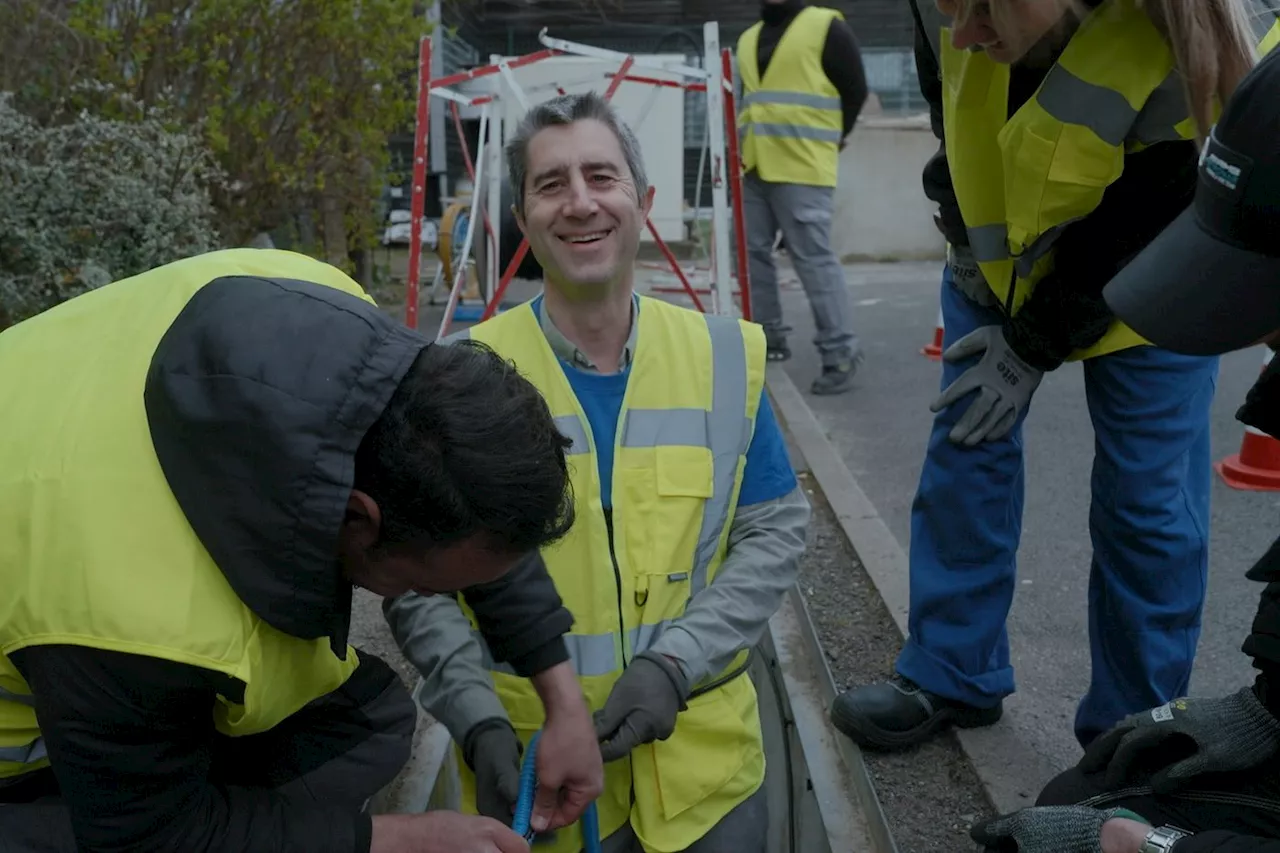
198,465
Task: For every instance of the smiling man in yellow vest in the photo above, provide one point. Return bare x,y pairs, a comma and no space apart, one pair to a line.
198,464
689,519
803,86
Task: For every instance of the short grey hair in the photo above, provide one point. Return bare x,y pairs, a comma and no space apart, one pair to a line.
564,110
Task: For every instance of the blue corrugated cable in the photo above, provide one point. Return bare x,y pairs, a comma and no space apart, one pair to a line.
524,803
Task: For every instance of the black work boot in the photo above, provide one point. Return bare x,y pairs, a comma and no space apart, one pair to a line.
898,714
776,348
837,378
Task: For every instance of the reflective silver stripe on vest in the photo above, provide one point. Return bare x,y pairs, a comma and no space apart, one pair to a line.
21,698
643,637
570,426
729,432
989,242
591,654
653,427
791,99
27,754
1107,113
1074,101
1163,111
791,131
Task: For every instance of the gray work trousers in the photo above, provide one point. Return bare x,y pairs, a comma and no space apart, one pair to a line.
745,829
338,751
803,214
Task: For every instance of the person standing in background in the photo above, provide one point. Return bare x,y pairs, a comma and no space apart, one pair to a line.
803,86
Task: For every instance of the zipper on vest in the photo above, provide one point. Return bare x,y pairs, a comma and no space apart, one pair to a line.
617,578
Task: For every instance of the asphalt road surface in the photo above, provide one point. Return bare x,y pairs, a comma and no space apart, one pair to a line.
881,426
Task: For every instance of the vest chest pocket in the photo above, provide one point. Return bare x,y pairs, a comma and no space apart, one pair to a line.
1027,158
1082,159
716,750
665,501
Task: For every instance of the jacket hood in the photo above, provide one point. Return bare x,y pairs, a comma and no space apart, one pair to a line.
257,398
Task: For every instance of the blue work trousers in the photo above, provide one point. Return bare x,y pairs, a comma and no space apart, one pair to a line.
1148,522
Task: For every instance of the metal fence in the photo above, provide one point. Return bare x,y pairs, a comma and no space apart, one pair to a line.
890,72
891,76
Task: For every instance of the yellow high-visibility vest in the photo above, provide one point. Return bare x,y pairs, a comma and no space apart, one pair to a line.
1270,40
791,122
686,421
1021,180
94,548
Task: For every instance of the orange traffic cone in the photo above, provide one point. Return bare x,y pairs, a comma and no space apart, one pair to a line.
933,351
1256,467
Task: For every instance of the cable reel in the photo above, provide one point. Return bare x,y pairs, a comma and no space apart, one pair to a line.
453,236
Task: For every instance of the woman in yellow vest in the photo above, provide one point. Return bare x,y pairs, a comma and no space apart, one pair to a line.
1198,775
1070,139
198,464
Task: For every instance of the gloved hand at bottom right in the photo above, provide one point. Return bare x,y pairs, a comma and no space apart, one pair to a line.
1185,738
1061,829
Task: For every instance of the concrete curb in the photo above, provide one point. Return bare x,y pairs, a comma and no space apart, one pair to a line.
1010,772
428,780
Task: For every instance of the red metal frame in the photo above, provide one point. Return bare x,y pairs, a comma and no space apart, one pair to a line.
425,87
735,183
471,170
654,81
419,184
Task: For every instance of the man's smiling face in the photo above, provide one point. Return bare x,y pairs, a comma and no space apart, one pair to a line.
582,213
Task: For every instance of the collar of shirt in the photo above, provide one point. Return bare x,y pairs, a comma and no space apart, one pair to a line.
566,351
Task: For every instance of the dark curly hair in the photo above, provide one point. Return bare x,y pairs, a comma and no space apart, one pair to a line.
467,446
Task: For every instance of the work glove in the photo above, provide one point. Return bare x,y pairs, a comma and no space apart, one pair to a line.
1185,738
1044,829
968,276
492,751
1004,383
643,705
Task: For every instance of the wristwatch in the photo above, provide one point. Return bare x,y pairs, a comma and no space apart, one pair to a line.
1161,839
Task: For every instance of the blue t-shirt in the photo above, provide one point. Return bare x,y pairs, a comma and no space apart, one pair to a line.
768,474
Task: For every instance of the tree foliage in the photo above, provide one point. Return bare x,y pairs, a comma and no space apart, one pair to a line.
89,199
297,98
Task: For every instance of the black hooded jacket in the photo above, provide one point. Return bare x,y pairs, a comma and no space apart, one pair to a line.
255,425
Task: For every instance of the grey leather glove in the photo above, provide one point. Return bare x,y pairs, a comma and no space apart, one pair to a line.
1223,735
492,751
1003,381
1044,829
968,276
642,707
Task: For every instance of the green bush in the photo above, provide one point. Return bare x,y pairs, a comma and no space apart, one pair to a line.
89,199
